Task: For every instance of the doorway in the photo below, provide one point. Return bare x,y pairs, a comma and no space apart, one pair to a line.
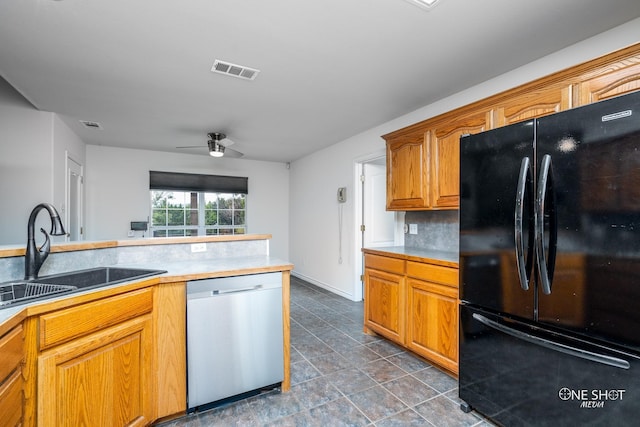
377,225
74,200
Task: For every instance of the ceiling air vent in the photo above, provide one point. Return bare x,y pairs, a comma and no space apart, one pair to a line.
234,70
91,125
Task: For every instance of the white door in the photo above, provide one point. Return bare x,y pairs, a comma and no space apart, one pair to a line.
379,224
74,192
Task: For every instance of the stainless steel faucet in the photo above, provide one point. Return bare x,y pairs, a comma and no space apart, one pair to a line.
34,258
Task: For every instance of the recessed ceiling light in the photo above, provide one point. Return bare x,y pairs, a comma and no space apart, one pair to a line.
425,4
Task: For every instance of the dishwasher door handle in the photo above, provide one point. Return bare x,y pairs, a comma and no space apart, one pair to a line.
235,291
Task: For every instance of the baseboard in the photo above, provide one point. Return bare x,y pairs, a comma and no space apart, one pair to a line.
323,285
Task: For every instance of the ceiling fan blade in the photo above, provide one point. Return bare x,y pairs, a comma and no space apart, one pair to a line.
229,152
193,146
226,142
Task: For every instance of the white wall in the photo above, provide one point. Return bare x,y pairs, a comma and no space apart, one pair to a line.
65,143
315,178
117,188
32,151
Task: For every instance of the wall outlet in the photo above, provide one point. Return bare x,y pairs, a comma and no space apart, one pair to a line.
131,233
198,247
413,228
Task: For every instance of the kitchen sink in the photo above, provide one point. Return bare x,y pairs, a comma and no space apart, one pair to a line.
99,276
17,292
20,291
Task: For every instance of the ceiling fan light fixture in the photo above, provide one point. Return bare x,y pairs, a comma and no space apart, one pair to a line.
215,149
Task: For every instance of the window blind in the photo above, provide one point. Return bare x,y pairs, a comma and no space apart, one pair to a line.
197,182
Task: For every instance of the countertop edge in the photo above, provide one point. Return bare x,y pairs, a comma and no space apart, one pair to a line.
102,244
408,256
14,315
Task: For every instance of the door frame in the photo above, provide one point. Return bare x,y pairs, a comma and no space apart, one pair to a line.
358,206
67,197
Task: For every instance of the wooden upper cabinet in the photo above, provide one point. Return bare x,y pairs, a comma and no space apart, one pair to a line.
617,79
536,103
407,173
423,159
444,143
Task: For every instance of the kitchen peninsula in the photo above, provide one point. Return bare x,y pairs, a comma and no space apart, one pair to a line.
122,345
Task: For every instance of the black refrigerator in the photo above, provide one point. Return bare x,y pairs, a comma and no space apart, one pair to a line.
550,268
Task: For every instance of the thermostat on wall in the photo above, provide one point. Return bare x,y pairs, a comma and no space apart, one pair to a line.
139,225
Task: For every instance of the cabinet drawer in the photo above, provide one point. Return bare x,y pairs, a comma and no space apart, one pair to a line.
10,351
64,325
377,262
11,400
433,273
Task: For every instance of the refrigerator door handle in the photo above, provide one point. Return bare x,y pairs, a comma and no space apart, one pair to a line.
562,348
525,171
545,265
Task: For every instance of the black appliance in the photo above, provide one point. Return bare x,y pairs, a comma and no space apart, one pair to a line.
550,268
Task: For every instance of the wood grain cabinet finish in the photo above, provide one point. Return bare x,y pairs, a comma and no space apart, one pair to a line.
609,81
422,174
170,314
11,381
444,143
98,375
535,103
415,305
385,297
408,173
432,313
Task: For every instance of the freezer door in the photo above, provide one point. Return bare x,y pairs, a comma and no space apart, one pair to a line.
520,375
496,219
591,220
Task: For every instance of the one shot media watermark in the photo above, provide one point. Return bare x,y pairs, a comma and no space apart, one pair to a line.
594,398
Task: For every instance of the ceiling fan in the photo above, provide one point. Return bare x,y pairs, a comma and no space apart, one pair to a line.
218,145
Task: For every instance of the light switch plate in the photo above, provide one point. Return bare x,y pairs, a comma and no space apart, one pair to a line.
413,228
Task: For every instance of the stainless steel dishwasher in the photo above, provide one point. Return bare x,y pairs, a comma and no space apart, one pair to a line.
234,336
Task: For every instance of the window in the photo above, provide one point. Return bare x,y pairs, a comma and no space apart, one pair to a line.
197,205
185,213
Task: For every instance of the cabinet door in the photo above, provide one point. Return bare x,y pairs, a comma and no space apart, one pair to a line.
611,81
101,379
384,304
536,103
11,400
11,381
407,173
444,140
432,322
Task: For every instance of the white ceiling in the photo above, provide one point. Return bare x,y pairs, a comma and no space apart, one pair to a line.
329,69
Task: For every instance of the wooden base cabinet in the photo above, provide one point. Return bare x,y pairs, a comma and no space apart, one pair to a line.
415,305
432,329
385,297
98,369
11,381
